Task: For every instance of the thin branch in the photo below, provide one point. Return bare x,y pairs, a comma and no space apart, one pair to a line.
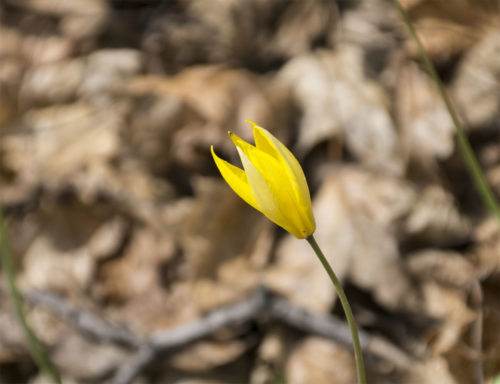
220,318
86,322
261,304
332,328
129,371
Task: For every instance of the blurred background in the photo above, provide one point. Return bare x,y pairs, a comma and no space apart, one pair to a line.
122,228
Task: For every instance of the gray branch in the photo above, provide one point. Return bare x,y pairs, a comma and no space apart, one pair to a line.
86,322
261,302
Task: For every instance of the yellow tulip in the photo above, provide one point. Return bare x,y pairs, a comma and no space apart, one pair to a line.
271,181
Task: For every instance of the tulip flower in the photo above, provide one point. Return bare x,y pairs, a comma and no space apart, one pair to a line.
271,181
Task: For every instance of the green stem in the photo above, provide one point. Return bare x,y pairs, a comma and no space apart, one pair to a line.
34,345
360,367
468,154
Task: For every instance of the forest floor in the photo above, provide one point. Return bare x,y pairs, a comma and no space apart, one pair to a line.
140,265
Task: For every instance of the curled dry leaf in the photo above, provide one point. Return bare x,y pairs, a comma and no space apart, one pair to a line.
337,99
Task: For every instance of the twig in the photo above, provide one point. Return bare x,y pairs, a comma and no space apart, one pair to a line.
85,322
332,328
129,371
220,318
321,325
261,304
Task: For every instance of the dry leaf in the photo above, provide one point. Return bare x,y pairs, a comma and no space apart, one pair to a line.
445,267
476,85
205,356
436,219
427,129
337,99
320,361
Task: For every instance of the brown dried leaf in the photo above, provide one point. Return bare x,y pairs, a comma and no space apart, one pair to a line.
485,256
57,254
337,99
445,267
436,219
449,28
107,72
434,370
225,244
320,361
207,355
449,306
92,361
39,50
476,84
52,83
54,152
135,272
427,129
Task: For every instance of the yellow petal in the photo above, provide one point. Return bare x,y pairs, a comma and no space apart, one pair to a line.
265,141
271,186
268,166
262,142
236,179
272,182
264,194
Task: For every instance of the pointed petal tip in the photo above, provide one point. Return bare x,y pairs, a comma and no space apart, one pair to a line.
212,151
254,125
